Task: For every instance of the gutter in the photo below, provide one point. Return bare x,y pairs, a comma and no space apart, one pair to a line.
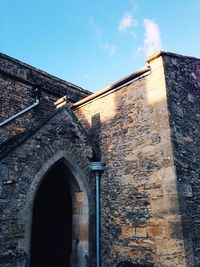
20,113
111,87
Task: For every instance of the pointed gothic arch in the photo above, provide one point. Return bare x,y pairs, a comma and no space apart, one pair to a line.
76,193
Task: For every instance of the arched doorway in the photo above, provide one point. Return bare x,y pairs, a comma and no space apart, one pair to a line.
51,234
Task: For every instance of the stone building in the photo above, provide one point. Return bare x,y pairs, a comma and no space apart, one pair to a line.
145,127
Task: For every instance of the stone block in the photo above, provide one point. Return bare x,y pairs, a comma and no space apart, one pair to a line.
165,206
170,189
185,189
127,232
174,228
156,231
170,253
156,193
141,232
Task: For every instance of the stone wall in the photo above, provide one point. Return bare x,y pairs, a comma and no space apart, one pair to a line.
147,132
29,146
18,82
140,211
183,91
21,172
31,76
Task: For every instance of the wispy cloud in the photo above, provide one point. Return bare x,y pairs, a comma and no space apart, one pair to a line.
134,6
111,49
95,27
152,39
126,22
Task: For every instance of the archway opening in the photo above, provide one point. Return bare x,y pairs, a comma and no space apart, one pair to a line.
51,242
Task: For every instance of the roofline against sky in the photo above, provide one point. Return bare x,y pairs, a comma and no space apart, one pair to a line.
127,79
108,89
4,57
112,87
165,53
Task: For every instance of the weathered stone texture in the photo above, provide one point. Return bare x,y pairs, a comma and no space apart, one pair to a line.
139,199
183,91
18,82
61,135
31,76
147,132
44,134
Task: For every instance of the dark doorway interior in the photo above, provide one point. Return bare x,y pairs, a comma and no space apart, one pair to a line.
51,242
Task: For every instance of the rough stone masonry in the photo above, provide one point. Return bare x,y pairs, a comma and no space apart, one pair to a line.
144,126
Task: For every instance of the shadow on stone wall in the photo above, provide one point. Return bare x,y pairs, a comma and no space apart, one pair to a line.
142,218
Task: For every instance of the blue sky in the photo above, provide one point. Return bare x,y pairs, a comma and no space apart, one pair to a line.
94,43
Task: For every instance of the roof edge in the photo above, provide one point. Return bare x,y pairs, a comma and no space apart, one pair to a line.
41,72
170,54
112,86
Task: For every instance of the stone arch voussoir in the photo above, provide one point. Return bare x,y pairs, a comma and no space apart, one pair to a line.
78,165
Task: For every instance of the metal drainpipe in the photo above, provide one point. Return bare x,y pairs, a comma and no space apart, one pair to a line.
20,113
98,168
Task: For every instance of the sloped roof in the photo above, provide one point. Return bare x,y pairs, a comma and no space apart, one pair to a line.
52,85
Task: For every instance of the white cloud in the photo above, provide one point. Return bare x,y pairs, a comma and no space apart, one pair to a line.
126,22
152,39
95,28
134,6
111,49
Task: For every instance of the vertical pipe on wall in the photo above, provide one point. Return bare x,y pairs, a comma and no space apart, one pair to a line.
98,219
98,168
